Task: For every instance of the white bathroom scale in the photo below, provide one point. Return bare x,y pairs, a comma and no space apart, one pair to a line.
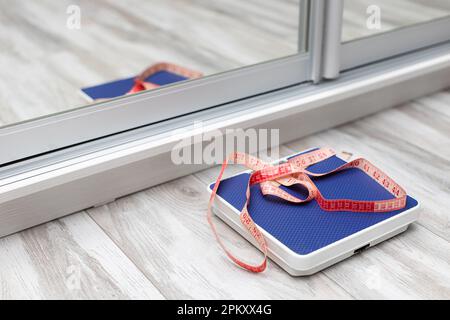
303,238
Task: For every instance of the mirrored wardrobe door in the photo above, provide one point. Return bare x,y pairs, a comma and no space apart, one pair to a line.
57,55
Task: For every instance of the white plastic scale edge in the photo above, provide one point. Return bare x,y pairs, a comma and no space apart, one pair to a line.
303,265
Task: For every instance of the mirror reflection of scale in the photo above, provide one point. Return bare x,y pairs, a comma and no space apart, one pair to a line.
155,76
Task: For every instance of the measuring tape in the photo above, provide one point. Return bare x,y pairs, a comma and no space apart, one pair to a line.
294,171
140,83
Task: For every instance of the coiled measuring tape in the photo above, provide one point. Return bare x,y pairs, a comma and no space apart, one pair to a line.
294,171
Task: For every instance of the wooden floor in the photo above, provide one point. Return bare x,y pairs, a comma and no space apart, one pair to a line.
157,243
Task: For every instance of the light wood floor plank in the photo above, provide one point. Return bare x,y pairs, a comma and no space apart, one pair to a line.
413,265
69,259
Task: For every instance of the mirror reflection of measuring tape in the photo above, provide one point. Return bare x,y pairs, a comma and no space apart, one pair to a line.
143,81
294,172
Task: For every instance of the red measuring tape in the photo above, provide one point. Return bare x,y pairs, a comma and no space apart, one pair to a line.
294,171
141,85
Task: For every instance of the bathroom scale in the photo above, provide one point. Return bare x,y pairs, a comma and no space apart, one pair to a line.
304,239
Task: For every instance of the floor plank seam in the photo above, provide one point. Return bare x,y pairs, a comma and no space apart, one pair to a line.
127,256
431,231
337,283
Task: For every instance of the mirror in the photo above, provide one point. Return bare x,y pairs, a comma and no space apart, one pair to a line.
363,18
57,55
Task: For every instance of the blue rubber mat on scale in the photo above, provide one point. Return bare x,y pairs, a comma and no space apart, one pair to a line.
305,228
